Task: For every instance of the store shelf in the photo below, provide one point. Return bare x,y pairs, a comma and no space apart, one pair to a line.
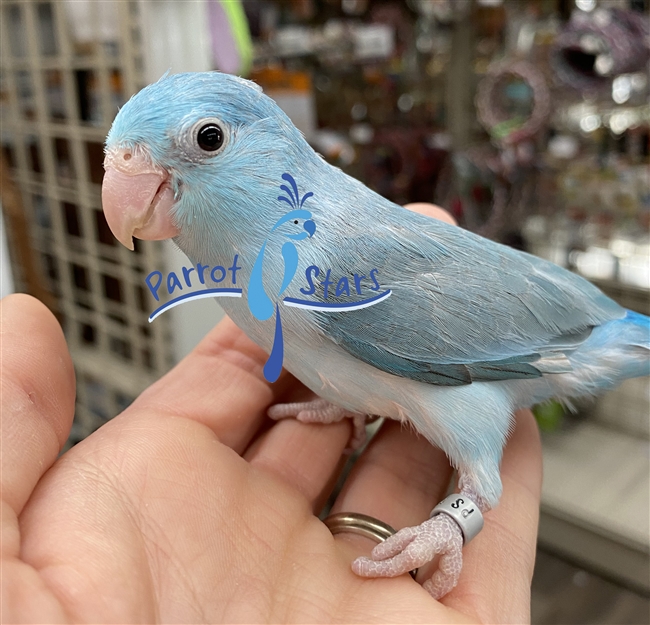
596,501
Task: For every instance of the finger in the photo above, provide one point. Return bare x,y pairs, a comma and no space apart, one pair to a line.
499,562
397,480
307,456
431,210
38,394
220,384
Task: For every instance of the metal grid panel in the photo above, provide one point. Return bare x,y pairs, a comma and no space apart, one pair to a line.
60,93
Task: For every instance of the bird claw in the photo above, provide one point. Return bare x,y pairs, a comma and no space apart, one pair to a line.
413,547
322,411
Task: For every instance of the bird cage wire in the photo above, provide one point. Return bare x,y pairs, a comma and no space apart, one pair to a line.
65,68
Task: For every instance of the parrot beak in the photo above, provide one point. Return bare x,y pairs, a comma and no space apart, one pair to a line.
136,197
310,227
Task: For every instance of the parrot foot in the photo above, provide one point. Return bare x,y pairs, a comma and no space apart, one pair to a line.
413,547
322,411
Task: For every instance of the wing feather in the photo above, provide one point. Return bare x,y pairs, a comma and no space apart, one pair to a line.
463,308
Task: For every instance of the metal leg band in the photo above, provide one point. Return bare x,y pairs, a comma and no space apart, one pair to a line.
464,511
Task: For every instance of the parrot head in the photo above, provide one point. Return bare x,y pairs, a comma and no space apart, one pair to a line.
296,224
193,149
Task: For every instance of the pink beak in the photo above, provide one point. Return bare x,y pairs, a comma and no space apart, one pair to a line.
137,198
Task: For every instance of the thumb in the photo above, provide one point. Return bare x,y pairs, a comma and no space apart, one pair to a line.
37,396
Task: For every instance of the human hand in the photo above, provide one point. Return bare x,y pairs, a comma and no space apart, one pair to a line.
190,506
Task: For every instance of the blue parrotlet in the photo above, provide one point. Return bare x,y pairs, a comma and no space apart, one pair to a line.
451,332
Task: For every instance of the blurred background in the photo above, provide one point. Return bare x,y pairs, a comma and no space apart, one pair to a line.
528,120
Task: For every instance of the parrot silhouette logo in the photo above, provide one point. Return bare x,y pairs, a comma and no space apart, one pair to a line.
259,303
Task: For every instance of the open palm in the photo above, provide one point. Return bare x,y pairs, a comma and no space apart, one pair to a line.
191,507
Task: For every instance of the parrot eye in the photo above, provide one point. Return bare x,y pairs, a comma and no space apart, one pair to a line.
295,221
210,137
202,140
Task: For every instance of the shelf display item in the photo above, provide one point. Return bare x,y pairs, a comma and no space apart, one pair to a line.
595,47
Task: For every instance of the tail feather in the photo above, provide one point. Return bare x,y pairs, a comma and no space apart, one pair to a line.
638,337
615,351
641,337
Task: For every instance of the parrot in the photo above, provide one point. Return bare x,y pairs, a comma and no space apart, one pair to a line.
467,331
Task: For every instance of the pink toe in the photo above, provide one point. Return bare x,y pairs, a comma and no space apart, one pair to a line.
393,545
364,567
440,585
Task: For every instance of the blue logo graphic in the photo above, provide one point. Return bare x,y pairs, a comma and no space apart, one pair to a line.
217,274
259,303
295,225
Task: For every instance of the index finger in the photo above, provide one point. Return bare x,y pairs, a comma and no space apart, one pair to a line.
219,384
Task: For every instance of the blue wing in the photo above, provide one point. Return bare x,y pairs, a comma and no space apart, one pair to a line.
463,308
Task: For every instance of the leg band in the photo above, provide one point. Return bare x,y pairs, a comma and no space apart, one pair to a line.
464,511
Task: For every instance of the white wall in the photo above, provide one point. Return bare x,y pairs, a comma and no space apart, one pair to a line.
176,37
6,279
